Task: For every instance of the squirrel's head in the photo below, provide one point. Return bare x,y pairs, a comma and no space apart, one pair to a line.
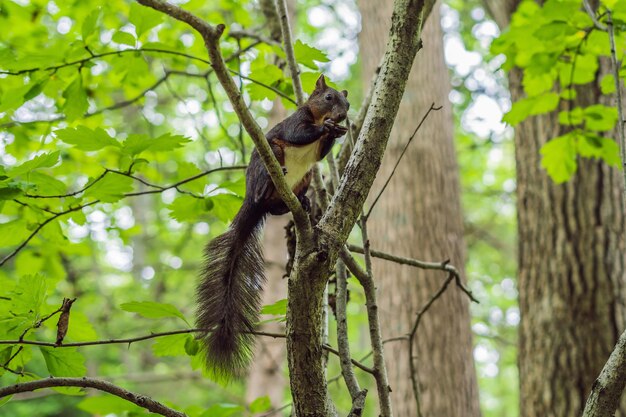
327,103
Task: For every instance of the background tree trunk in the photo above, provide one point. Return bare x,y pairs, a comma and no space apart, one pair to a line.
420,216
266,376
571,264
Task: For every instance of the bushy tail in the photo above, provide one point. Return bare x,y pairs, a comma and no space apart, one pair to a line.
229,294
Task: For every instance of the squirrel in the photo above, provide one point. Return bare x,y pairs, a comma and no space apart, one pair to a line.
231,281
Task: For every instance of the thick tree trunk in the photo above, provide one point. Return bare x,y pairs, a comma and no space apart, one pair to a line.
571,266
420,216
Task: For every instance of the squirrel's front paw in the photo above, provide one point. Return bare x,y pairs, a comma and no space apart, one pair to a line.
334,129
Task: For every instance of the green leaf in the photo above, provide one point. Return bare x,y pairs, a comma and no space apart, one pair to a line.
600,118
258,92
143,18
571,118
279,308
167,142
108,404
10,192
192,347
90,26
45,184
607,85
222,410
76,103
187,208
610,4
153,310
559,158
30,295
553,30
260,405
12,232
124,38
585,70
530,106
44,160
5,355
86,139
64,361
225,206
80,328
238,187
110,188
307,55
35,90
593,146
537,84
173,345
5,400
265,73
135,144
12,98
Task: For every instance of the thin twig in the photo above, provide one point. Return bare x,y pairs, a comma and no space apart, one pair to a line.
105,386
393,171
380,371
157,83
443,266
242,33
418,318
281,9
158,189
41,226
128,341
593,17
342,331
354,128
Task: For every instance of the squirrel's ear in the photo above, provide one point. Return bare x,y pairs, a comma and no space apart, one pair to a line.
320,84
345,93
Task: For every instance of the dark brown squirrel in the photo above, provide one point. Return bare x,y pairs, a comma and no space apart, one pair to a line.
229,293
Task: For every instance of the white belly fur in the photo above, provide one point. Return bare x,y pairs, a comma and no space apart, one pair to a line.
298,161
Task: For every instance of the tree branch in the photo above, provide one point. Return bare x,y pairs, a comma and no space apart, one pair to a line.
281,9
380,371
342,332
411,339
443,266
130,340
100,385
211,36
609,387
41,226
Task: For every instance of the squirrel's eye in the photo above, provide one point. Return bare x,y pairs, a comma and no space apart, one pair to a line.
329,97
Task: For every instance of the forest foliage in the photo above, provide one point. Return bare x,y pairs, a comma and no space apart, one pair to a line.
120,157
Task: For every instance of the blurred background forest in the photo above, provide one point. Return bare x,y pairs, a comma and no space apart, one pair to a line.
129,246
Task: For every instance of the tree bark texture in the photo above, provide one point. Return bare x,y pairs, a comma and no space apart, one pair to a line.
571,265
420,216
